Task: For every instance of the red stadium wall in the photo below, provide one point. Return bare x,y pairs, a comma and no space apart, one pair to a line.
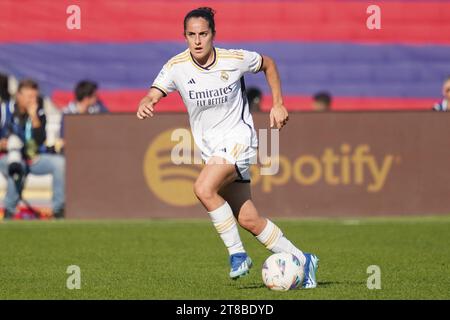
111,21
128,100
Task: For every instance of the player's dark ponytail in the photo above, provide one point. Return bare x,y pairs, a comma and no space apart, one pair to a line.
202,12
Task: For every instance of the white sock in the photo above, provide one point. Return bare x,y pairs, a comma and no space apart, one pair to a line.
274,240
226,226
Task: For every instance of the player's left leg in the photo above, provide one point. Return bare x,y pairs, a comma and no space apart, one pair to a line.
238,195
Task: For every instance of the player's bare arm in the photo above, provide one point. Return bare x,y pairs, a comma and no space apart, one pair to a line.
278,113
147,103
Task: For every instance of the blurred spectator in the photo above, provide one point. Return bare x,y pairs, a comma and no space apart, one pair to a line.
24,120
4,92
86,102
254,97
444,104
5,100
322,101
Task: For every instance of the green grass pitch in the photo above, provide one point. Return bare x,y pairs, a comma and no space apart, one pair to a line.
185,259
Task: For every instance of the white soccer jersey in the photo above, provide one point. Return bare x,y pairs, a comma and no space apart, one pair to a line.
214,97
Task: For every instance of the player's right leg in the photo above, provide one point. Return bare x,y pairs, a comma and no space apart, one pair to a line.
269,234
215,175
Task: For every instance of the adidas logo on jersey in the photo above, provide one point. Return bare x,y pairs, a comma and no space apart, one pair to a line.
192,81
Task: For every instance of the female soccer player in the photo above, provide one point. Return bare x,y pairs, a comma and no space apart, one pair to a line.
210,82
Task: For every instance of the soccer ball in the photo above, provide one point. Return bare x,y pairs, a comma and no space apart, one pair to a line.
282,272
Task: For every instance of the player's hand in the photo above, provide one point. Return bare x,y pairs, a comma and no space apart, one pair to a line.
278,117
145,109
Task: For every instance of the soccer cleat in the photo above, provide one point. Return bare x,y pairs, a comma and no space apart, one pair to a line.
240,265
311,266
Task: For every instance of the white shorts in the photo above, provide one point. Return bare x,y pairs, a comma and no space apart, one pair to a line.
242,156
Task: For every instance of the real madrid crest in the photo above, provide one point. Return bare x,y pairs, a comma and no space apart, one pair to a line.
224,76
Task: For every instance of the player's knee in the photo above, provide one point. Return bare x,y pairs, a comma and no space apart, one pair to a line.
248,222
203,192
